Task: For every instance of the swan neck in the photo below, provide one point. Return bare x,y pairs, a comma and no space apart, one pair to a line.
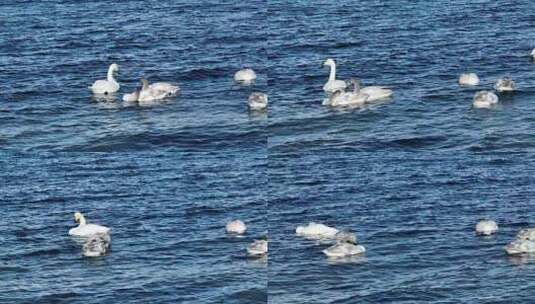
110,75
332,75
82,220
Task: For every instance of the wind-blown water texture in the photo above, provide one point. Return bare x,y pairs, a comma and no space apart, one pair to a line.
47,65
413,175
167,213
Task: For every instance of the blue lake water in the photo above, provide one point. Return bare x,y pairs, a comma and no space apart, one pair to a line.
411,175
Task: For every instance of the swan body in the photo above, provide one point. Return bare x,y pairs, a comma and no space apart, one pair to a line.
84,229
346,236
469,79
97,245
316,231
526,234
343,249
108,86
348,98
532,54
486,227
520,247
236,226
258,101
505,84
376,92
156,91
485,99
258,248
332,85
245,76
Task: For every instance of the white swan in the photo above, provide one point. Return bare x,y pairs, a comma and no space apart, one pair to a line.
505,84
108,86
343,249
348,98
486,227
332,84
156,91
468,79
245,76
485,99
375,92
258,248
236,226
316,231
84,229
97,245
526,234
520,247
258,101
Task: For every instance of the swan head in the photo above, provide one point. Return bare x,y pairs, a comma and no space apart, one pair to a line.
328,62
79,218
114,67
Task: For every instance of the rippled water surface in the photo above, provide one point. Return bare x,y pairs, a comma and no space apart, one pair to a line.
411,175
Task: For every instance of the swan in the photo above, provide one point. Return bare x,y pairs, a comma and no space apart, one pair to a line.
84,229
236,226
520,246
374,92
108,86
347,98
468,79
532,54
332,84
343,249
156,91
258,248
258,101
485,99
316,231
97,245
245,76
486,227
505,84
346,236
526,234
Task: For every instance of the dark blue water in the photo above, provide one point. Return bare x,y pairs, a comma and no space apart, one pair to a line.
411,175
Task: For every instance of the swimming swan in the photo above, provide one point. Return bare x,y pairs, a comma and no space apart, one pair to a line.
468,79
84,229
316,231
532,54
97,245
236,226
156,91
374,92
343,249
245,76
108,86
258,101
523,243
486,227
132,97
332,84
258,248
348,98
505,84
485,99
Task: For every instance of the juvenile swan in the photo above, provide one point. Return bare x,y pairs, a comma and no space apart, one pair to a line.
344,249
84,229
97,245
108,86
236,226
348,98
505,84
258,248
374,92
332,84
258,101
485,99
316,231
486,227
468,79
245,76
156,91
